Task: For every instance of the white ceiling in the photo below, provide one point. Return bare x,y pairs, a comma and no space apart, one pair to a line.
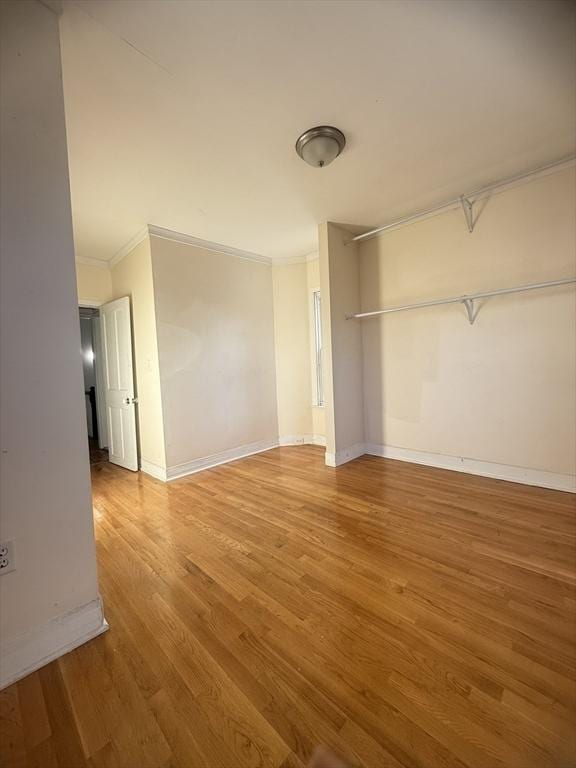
185,114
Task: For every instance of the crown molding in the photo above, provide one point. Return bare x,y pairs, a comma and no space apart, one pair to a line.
284,261
153,230
287,261
90,262
129,246
208,245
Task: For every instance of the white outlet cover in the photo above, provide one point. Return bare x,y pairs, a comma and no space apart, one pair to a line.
7,562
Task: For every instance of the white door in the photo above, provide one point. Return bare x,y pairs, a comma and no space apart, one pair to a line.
119,383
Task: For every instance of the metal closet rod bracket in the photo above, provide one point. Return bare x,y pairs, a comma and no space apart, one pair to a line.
471,309
468,210
467,201
467,300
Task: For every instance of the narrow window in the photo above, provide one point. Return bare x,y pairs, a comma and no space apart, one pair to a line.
319,399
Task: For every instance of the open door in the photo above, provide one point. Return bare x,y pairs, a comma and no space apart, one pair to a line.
119,383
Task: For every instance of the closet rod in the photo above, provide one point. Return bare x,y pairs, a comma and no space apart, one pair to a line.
467,299
465,201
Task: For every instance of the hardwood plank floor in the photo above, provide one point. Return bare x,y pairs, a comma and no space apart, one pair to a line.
404,616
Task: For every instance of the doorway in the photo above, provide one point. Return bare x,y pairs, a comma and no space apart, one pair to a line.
96,428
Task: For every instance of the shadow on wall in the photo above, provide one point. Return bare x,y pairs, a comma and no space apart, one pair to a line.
373,340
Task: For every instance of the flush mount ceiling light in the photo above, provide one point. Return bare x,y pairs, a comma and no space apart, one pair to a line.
319,146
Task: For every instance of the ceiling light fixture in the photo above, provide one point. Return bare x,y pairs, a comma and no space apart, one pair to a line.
319,146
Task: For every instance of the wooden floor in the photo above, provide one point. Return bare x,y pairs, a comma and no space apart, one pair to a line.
403,615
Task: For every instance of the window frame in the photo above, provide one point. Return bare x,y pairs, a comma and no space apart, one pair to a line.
318,369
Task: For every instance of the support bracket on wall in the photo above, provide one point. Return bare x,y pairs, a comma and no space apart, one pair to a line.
468,300
466,201
471,310
468,210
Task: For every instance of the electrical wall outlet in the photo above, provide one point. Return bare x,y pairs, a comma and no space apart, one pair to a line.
7,563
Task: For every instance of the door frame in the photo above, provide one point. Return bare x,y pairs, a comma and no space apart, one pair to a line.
99,372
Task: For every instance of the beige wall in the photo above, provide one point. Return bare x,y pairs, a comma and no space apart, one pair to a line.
216,345
502,390
51,599
340,287
94,284
132,276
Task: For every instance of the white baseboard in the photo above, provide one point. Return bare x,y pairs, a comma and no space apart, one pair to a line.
344,455
31,650
197,465
301,440
233,454
153,470
541,478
